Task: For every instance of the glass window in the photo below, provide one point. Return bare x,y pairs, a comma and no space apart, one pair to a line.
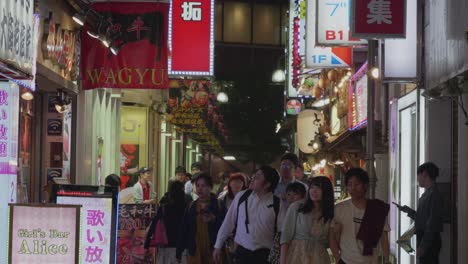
237,22
284,24
266,24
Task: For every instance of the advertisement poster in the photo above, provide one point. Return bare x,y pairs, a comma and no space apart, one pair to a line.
35,239
138,35
133,221
357,105
96,227
133,141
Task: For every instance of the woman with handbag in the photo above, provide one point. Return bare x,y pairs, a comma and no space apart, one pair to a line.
164,228
202,220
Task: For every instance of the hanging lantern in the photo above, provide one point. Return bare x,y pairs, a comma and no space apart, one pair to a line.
318,92
333,75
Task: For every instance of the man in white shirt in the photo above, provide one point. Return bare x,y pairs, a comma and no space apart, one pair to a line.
360,224
253,219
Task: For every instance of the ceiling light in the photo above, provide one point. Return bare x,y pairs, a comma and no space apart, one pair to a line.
375,73
79,19
278,128
92,34
222,97
278,76
28,96
323,162
229,158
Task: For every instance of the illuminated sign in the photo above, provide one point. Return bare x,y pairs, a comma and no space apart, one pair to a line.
333,23
378,18
323,57
44,234
191,37
98,221
357,99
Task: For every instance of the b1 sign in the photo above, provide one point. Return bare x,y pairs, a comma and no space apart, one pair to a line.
378,18
323,57
191,37
333,23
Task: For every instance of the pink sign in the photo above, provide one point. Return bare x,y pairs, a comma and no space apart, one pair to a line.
357,99
378,18
44,234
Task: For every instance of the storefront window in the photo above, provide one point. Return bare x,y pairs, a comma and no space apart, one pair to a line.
237,22
25,184
266,24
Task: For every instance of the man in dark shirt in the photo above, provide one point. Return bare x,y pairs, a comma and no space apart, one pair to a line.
428,217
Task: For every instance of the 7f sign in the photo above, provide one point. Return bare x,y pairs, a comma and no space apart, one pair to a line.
191,38
378,18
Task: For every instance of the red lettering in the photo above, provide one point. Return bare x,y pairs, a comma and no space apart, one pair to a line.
330,35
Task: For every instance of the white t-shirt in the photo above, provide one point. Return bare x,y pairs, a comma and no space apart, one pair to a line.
350,217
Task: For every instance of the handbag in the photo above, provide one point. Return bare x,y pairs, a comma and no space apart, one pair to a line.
159,238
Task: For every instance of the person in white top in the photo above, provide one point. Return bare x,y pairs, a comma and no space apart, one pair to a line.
360,224
252,218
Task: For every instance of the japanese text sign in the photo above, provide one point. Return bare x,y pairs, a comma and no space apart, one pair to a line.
378,18
134,219
44,234
16,33
9,109
96,224
333,23
357,99
139,33
191,37
323,57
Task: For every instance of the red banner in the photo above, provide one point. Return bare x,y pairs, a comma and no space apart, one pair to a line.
378,18
139,32
191,37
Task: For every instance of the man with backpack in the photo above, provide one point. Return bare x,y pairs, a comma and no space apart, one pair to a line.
252,220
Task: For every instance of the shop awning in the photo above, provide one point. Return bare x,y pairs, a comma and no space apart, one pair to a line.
353,141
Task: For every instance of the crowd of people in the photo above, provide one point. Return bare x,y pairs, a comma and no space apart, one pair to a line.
276,217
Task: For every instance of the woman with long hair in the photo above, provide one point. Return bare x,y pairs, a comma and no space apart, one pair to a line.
201,222
171,210
236,183
305,235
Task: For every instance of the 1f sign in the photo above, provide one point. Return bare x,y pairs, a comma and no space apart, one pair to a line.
333,24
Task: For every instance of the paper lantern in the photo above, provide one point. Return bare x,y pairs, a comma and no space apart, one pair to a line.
333,75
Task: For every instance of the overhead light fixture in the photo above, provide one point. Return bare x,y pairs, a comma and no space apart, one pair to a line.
27,95
114,50
79,19
188,147
222,97
278,76
375,73
63,101
321,102
105,42
323,162
229,158
92,34
278,128
339,162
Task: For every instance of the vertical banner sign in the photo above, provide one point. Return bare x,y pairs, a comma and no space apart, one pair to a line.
357,99
402,55
9,121
323,57
191,37
333,23
96,224
378,18
138,34
44,234
16,34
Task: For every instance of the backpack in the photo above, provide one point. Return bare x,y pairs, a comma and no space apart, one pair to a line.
243,198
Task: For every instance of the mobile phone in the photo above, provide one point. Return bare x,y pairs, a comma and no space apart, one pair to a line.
397,205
